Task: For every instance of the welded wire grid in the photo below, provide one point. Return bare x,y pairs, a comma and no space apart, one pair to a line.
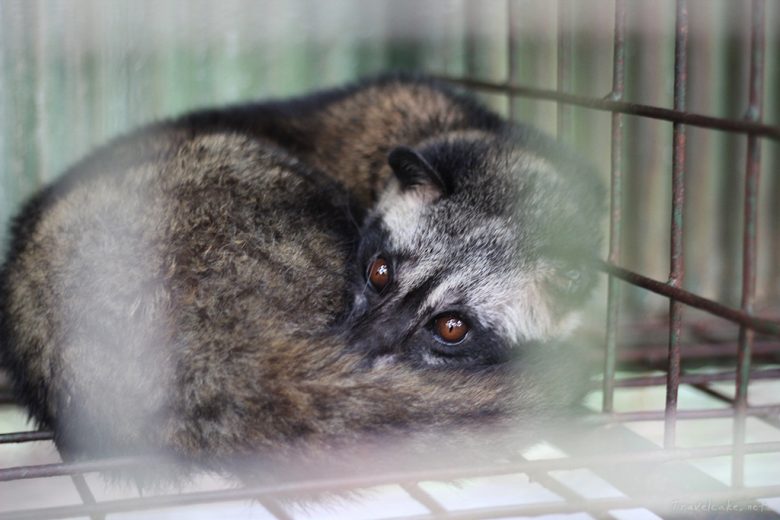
553,477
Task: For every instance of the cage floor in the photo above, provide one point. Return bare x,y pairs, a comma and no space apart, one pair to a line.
468,496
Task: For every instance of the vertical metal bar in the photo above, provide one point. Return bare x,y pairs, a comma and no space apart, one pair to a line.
514,12
274,508
565,48
677,264
86,494
416,492
470,41
749,234
40,36
82,488
616,201
729,77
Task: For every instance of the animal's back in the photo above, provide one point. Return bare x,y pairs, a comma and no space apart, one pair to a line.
211,266
138,283
347,132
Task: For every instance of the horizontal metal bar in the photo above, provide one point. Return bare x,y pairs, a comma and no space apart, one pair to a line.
595,460
350,483
651,353
674,505
730,375
774,420
658,415
693,300
712,392
665,503
71,468
6,396
622,107
15,437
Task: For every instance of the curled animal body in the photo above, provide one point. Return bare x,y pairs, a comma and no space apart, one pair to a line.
475,220
278,281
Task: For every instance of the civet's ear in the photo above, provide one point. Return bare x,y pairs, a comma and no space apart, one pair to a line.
412,171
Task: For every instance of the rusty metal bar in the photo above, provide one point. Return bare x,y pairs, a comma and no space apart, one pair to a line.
82,488
514,12
565,51
749,233
71,468
774,420
717,394
326,485
452,473
548,481
653,415
16,437
728,375
416,492
601,505
693,300
551,484
616,205
677,260
651,353
623,107
705,328
273,507
668,505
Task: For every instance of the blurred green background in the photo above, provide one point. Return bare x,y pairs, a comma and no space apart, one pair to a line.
74,73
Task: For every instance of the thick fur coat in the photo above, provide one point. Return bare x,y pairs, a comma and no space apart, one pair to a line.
198,288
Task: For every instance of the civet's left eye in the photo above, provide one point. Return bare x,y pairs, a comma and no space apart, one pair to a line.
450,328
379,273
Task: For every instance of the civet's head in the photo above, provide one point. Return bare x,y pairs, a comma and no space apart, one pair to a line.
479,247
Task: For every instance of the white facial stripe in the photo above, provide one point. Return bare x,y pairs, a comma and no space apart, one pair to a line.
399,209
441,296
514,304
523,312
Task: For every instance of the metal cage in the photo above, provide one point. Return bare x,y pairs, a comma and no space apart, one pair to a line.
752,357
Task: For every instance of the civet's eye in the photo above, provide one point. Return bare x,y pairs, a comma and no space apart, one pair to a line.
379,274
450,328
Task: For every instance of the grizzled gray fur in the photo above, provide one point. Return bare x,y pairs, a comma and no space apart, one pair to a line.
493,220
205,287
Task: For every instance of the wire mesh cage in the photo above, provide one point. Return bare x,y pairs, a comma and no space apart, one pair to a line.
684,419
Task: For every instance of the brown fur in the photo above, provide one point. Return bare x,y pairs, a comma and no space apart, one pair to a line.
155,272
348,132
389,115
181,302
177,292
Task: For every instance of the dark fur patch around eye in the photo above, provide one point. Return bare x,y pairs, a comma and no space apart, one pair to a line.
374,238
480,347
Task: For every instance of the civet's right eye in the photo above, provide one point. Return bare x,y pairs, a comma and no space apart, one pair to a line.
379,274
450,328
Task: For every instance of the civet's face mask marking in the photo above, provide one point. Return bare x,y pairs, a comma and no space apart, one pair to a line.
475,250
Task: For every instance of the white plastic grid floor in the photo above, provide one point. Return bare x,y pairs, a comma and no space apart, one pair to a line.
393,501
